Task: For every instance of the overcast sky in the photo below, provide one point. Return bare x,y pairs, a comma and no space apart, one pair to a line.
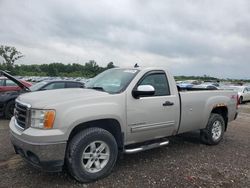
190,37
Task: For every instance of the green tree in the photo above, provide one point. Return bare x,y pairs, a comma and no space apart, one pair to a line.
9,55
91,69
110,65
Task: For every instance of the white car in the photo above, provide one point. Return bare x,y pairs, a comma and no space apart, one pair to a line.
206,86
243,92
245,95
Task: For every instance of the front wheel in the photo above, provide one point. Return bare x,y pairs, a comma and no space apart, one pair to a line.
9,109
213,133
91,154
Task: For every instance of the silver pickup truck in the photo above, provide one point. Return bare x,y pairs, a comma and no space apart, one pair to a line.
122,110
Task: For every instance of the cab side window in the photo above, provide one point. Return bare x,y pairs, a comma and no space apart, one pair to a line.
74,85
10,83
56,85
158,81
1,82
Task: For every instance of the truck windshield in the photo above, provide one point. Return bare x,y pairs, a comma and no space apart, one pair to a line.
112,80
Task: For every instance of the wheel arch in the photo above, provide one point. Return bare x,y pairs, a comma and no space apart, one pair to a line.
9,98
109,124
223,111
6,103
241,98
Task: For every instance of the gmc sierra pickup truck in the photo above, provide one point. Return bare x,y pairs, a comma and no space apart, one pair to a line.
122,110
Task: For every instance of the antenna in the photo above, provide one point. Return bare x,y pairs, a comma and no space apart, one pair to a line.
136,65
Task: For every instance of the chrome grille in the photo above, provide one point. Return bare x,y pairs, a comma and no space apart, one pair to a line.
21,114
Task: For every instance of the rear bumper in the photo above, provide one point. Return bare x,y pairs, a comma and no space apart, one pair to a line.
47,157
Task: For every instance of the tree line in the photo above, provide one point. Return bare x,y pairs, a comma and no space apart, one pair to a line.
10,55
87,70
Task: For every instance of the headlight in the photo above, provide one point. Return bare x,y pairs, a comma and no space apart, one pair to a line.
42,119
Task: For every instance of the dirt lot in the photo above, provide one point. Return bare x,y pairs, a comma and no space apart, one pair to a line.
184,163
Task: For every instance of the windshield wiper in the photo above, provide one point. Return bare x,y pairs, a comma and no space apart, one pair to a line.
97,88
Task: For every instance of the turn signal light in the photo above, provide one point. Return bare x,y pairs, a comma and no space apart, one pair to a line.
49,118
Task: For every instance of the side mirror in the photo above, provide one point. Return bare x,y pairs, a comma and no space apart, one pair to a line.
143,90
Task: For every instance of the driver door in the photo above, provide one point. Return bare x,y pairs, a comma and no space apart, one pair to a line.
152,117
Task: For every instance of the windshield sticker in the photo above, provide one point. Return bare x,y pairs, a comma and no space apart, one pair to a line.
130,71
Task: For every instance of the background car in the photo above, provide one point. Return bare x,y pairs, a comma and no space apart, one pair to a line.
7,99
56,84
206,86
8,85
243,92
184,85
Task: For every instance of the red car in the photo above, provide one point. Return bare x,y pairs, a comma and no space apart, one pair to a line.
8,85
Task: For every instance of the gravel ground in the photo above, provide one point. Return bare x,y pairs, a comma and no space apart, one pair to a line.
185,162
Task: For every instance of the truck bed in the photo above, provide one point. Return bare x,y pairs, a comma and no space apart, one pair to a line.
196,106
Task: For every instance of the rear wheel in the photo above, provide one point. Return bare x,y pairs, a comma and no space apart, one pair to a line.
241,100
213,133
9,109
91,154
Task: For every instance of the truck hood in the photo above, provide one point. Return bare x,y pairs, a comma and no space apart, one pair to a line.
50,98
20,84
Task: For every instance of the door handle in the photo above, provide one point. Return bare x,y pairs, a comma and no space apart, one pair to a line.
168,103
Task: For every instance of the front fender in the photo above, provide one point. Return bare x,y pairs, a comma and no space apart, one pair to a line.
80,114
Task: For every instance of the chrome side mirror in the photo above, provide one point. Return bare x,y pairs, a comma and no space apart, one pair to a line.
143,91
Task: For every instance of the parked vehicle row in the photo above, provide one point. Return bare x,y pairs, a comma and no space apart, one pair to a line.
119,111
198,84
7,98
44,78
242,90
206,86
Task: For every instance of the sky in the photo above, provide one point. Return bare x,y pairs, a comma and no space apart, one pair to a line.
189,37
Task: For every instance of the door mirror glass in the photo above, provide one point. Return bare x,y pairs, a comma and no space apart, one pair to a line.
143,91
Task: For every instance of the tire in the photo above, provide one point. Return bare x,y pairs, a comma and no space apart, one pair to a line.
9,109
213,133
241,100
85,167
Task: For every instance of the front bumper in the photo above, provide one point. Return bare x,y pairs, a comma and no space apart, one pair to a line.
45,156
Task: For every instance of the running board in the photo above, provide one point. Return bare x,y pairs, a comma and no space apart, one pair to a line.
146,147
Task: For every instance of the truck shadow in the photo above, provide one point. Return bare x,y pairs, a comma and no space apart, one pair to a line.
191,137
180,146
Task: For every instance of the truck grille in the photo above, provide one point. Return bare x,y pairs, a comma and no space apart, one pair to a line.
21,115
